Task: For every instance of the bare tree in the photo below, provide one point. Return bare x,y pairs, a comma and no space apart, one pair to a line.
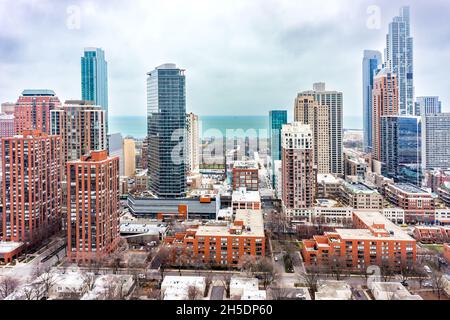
194,293
30,292
47,280
279,293
226,279
88,281
248,265
386,272
266,271
337,266
208,281
7,286
439,282
311,278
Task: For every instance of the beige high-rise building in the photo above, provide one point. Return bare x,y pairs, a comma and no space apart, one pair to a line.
322,110
192,143
129,151
82,127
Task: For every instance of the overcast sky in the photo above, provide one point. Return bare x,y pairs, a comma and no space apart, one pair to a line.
242,57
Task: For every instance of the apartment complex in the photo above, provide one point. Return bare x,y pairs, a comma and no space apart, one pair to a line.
384,103
31,186
375,241
419,205
245,175
32,111
166,128
436,141
223,243
6,125
129,157
298,173
360,196
82,127
93,206
192,143
322,110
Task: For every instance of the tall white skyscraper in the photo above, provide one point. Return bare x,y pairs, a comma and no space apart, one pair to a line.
192,143
399,59
371,62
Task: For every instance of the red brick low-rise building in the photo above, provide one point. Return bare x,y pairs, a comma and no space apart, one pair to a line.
245,175
375,241
437,234
221,243
419,205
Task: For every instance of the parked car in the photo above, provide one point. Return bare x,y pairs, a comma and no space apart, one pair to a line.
427,269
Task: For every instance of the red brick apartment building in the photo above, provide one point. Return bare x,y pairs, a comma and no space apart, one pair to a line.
436,234
31,186
93,206
375,241
222,243
245,175
419,205
447,252
32,110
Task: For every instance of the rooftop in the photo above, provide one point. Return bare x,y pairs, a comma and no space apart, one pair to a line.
327,178
7,247
38,92
333,290
359,188
410,188
245,196
253,225
251,164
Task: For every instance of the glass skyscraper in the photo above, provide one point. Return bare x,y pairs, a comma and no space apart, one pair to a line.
401,147
94,77
399,59
276,120
371,63
166,127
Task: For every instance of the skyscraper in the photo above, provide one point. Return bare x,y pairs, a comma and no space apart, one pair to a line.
277,118
322,110
94,77
82,127
93,206
384,103
427,105
192,143
399,59
436,141
298,174
31,187
401,147
129,157
166,125
32,111
371,63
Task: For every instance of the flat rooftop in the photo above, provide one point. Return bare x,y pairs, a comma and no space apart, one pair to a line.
246,196
410,188
327,178
359,188
252,220
7,247
370,218
246,165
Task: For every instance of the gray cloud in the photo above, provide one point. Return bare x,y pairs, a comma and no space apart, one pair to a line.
242,57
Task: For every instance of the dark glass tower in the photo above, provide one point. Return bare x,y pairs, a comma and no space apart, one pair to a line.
276,120
166,128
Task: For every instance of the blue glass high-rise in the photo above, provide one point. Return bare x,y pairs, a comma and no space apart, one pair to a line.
94,77
401,148
277,118
166,127
371,63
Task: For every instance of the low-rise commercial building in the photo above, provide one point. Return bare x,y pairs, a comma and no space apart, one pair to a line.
239,285
360,196
391,291
245,175
333,290
178,287
328,185
419,204
246,200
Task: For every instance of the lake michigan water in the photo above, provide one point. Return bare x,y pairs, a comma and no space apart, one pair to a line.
136,126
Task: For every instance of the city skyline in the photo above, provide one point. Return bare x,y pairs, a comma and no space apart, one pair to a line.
276,54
